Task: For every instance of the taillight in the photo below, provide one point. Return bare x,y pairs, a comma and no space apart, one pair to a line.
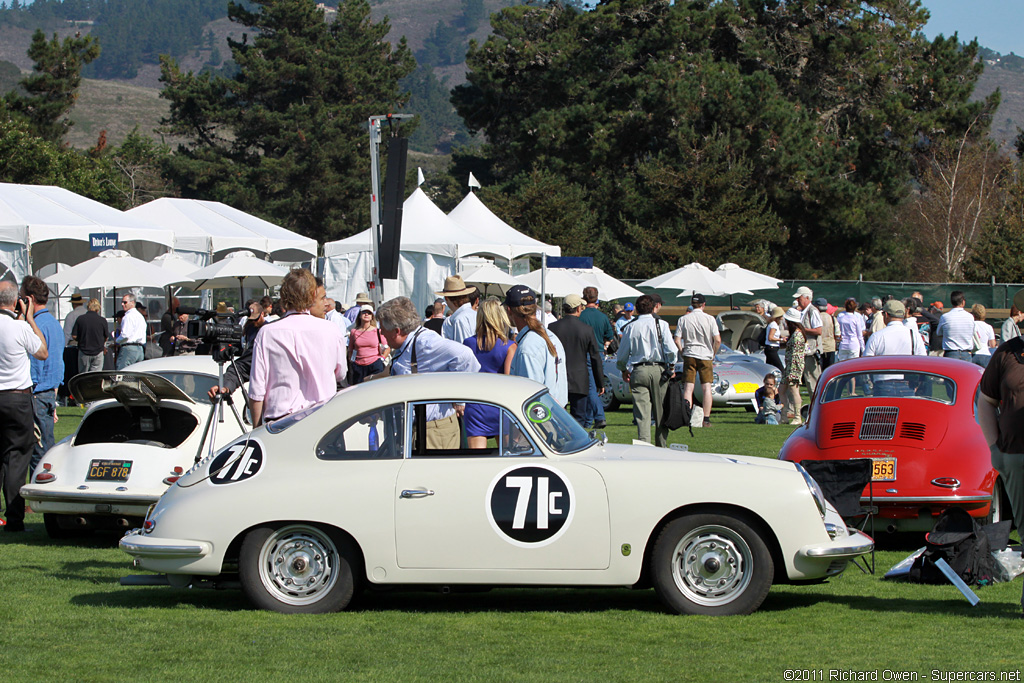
946,482
148,525
46,477
175,476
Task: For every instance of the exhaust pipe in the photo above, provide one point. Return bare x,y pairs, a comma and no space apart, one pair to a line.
81,521
891,529
123,523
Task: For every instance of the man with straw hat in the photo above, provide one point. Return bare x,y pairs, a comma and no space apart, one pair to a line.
461,324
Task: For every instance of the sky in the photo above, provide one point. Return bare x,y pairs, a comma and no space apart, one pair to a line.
998,24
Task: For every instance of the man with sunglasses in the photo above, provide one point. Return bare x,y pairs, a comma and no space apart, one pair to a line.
132,337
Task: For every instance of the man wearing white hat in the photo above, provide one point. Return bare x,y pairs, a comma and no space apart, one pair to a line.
810,324
461,324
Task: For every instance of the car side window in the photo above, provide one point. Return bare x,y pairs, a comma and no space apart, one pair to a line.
375,435
483,430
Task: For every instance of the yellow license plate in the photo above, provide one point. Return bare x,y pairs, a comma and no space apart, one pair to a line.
883,469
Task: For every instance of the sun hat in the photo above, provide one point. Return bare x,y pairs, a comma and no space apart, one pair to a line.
778,312
454,286
76,298
793,315
803,291
363,298
573,301
519,295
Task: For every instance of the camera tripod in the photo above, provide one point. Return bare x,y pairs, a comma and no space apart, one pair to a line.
217,408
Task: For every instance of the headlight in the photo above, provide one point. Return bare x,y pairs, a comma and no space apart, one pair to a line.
819,497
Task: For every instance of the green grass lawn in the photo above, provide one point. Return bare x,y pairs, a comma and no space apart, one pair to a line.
63,616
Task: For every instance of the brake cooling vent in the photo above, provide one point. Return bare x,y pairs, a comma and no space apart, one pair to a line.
879,423
842,430
912,430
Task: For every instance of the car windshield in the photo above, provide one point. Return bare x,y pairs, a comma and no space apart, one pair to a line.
890,384
555,427
194,384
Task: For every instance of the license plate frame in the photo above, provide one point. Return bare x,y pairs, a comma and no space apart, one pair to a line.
109,470
880,470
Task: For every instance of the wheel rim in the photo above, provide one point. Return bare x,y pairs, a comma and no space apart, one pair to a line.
298,564
712,565
609,394
996,507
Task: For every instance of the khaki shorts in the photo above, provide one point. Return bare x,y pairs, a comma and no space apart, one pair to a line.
692,367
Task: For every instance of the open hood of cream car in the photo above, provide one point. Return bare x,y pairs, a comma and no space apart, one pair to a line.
126,387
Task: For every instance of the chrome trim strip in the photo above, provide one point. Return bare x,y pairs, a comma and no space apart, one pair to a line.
90,498
883,499
198,549
861,545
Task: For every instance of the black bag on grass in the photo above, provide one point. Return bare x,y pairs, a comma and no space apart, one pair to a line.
965,545
676,411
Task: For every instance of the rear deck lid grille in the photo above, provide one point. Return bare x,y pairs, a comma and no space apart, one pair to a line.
912,430
879,423
843,430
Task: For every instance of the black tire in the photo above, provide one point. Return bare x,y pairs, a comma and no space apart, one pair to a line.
711,564
297,569
54,529
608,399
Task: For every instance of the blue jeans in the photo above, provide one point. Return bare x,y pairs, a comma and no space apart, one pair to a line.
595,411
127,355
44,405
962,355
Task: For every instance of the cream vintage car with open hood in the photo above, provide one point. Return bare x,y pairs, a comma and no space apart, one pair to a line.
308,509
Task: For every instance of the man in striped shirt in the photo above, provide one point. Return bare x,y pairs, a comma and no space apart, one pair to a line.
956,327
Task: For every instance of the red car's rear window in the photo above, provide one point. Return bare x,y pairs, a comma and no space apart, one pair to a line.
890,384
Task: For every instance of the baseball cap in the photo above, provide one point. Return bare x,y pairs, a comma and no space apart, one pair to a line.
803,291
629,307
573,301
697,299
520,295
820,302
895,308
938,304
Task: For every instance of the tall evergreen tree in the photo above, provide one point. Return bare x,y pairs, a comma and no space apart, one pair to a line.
286,136
52,88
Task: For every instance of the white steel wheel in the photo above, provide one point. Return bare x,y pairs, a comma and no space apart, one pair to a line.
296,568
711,564
999,509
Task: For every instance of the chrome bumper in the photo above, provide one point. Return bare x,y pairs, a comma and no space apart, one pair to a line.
855,544
139,545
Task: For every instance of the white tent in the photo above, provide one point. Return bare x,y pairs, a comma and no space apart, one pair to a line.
210,230
431,246
473,215
43,225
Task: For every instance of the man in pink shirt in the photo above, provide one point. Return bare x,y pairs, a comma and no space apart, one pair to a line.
298,360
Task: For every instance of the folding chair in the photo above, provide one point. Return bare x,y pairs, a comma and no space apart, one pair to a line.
843,483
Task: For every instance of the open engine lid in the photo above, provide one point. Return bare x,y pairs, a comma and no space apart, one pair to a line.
126,387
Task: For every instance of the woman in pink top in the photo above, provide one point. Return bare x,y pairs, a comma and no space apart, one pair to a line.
369,347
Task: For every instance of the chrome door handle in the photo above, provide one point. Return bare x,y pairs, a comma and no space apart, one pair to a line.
416,493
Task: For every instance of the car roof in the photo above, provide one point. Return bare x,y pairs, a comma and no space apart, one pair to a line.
470,386
956,370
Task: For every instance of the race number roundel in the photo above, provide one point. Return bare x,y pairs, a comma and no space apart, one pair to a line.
237,462
530,506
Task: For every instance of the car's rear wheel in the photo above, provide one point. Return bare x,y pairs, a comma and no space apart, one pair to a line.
296,568
608,399
712,564
999,509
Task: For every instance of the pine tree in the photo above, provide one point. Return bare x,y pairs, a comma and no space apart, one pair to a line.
286,136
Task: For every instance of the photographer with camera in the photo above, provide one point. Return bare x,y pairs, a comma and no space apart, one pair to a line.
298,360
19,340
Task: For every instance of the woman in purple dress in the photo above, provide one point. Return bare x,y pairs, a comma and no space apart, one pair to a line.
494,349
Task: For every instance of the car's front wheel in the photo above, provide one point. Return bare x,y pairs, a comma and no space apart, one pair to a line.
608,399
712,564
296,568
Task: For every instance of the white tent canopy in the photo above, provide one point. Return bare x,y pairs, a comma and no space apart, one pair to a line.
43,225
214,229
430,248
473,215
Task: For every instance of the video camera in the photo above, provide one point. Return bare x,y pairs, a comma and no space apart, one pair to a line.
219,331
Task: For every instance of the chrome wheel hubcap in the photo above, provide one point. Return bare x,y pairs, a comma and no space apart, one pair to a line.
299,564
711,565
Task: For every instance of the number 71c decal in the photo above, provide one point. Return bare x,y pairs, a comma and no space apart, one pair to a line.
530,506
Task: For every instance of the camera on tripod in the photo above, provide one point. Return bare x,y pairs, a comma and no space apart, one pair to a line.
218,331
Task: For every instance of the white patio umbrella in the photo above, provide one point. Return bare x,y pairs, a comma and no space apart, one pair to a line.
746,279
240,268
112,268
486,276
177,266
608,287
559,282
691,278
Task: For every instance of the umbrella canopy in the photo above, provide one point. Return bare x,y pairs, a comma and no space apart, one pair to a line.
240,268
691,278
742,279
489,278
179,267
112,268
559,282
608,288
